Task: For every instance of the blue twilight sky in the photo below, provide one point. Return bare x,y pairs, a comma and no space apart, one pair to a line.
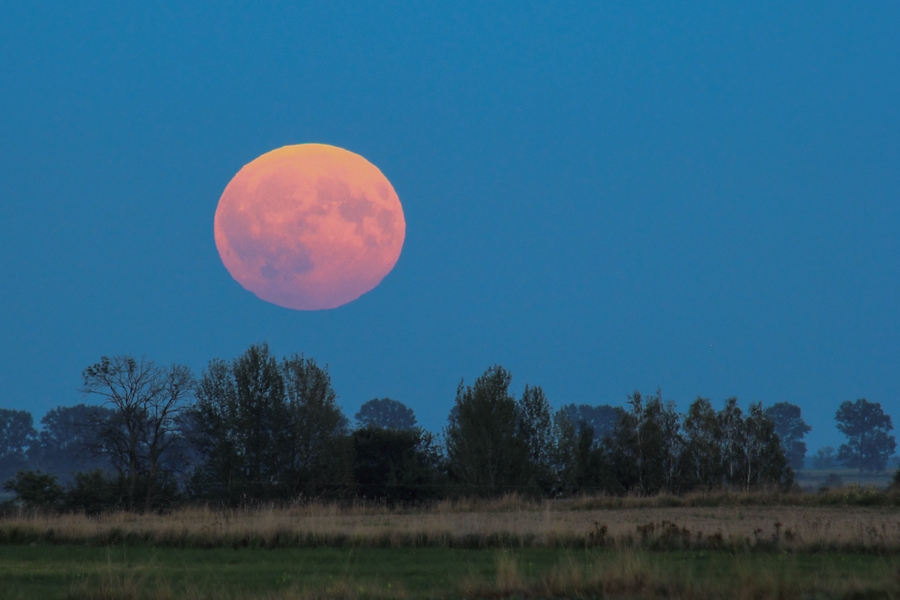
600,197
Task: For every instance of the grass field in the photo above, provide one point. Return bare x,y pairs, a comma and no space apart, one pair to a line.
121,572
706,546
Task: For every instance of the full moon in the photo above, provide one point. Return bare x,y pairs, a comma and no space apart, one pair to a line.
309,226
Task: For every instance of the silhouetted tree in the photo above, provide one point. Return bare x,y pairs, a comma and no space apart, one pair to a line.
601,418
266,431
869,443
624,447
385,412
139,437
536,432
238,426
669,424
396,466
752,455
17,437
486,456
765,461
67,435
35,490
702,456
825,458
650,443
733,436
563,456
317,446
93,492
647,444
592,471
791,429
581,462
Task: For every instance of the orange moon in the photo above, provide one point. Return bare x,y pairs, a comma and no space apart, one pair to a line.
309,226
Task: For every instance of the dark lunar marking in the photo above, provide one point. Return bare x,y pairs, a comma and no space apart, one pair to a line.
268,271
303,223
251,248
284,262
382,190
299,262
278,186
319,208
331,190
355,209
386,221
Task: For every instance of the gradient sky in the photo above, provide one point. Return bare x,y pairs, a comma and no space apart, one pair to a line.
599,197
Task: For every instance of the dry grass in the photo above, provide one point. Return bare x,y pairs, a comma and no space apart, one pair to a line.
507,523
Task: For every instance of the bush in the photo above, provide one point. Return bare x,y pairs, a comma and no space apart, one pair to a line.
35,490
93,492
396,466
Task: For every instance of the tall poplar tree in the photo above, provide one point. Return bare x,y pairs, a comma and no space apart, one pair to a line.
316,443
702,456
536,432
486,456
266,430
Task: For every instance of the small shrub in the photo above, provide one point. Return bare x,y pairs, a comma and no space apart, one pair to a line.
35,490
93,492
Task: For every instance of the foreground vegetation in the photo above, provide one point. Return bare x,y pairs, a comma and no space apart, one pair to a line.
122,572
701,523
839,544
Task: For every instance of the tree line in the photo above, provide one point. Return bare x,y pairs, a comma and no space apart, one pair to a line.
256,429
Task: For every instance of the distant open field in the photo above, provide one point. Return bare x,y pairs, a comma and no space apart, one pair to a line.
704,546
813,479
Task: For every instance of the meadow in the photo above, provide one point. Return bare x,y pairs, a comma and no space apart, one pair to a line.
838,544
814,479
